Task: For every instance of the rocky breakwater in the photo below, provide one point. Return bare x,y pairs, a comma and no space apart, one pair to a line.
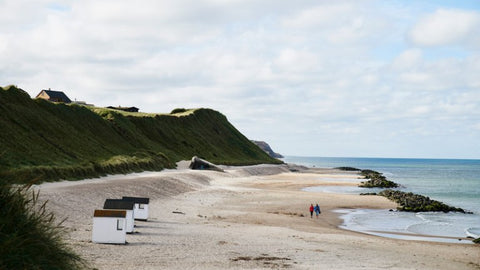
376,179
408,201
411,202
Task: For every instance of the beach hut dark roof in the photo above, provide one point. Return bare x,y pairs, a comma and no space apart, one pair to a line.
55,96
118,204
110,213
136,199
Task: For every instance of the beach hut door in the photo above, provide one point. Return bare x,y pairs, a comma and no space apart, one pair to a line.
119,225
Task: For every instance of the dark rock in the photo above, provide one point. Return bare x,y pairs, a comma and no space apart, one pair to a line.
376,179
411,202
347,169
201,164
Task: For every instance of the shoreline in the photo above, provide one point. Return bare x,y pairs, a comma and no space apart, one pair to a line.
247,218
394,232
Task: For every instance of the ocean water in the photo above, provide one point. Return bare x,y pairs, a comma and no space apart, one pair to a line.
455,182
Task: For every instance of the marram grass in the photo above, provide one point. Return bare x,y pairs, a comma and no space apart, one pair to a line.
30,237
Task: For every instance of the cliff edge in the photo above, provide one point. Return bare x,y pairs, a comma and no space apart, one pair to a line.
45,141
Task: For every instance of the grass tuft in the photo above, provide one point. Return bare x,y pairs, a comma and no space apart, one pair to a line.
30,237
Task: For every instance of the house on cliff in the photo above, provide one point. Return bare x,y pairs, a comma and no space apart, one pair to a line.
126,109
53,96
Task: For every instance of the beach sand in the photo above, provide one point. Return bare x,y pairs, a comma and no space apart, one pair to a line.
252,217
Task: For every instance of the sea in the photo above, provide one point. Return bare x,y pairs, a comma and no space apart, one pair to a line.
455,182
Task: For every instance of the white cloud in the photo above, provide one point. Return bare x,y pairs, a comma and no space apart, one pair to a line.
408,59
337,23
303,72
446,27
321,15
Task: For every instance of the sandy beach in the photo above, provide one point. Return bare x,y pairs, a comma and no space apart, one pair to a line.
252,217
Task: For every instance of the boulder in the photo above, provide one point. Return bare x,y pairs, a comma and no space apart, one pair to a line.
201,164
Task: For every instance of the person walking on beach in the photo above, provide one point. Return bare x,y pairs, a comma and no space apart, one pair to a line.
317,210
311,210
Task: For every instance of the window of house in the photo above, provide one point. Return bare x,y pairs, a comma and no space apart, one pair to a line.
141,206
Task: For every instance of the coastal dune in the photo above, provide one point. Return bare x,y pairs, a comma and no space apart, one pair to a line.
253,217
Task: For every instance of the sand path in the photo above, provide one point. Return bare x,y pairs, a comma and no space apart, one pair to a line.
246,218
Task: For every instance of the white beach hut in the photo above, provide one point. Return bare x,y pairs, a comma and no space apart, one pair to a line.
119,204
109,226
141,207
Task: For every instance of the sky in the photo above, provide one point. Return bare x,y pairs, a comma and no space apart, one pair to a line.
310,77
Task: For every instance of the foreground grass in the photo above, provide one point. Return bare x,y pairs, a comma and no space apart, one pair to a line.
30,238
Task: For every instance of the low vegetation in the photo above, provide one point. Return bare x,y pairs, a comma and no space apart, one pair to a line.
178,110
30,238
51,141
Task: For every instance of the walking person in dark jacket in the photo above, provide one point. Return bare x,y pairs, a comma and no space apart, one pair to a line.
317,210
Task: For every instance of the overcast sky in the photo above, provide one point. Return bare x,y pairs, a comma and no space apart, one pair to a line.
310,77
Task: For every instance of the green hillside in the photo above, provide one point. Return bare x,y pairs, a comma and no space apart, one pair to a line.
49,141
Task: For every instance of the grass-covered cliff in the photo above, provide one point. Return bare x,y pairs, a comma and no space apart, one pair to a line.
48,141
